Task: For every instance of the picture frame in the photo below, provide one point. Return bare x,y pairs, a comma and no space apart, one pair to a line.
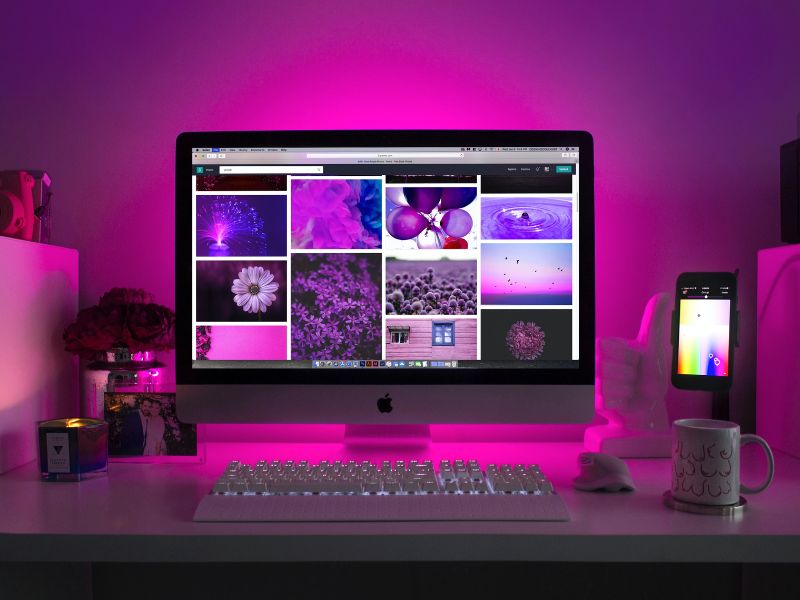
143,427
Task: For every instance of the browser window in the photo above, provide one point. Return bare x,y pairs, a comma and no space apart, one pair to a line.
398,258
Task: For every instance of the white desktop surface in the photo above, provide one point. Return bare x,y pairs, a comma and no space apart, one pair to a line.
143,512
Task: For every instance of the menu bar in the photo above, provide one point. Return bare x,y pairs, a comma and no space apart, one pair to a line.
233,156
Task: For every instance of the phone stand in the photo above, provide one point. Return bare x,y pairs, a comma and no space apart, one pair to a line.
633,377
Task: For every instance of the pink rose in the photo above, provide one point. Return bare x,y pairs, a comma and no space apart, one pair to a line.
94,331
149,327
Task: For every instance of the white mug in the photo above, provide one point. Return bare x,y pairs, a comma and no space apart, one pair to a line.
706,461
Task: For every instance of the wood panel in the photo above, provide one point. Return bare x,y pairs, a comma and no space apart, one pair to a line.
420,346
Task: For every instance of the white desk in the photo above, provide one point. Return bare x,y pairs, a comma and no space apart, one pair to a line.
145,510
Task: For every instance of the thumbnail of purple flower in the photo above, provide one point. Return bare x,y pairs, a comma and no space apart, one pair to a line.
525,341
336,310
254,290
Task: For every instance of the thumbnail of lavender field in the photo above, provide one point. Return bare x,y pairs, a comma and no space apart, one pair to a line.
431,287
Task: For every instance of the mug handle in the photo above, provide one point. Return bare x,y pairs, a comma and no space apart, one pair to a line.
749,438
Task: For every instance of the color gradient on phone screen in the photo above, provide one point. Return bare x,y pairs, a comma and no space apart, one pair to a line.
703,337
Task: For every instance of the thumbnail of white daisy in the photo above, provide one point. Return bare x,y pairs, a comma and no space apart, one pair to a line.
254,290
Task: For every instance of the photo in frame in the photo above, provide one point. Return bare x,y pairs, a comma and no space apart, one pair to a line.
143,427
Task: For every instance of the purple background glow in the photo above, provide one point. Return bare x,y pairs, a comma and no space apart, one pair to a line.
688,103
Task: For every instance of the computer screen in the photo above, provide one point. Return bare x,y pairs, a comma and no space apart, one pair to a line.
386,257
392,258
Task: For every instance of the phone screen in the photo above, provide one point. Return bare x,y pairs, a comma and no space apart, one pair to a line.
704,329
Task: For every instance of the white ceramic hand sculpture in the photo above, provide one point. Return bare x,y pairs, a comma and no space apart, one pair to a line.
633,377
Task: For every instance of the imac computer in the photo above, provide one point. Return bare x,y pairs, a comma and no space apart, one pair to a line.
385,277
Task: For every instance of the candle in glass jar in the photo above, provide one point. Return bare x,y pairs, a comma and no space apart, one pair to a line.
73,449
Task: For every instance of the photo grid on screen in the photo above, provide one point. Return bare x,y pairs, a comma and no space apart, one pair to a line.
354,268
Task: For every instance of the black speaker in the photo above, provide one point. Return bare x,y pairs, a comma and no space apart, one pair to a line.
790,192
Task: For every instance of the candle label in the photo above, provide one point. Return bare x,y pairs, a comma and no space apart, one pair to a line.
58,453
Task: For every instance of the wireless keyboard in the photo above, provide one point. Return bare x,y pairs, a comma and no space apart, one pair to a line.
364,491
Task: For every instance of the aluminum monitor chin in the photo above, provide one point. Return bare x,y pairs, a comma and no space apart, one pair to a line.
390,277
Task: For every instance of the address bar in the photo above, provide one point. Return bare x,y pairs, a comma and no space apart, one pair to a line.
269,169
385,155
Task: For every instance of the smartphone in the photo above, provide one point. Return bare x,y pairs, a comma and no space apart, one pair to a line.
704,331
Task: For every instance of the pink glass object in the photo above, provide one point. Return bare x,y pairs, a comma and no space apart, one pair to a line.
151,380
143,356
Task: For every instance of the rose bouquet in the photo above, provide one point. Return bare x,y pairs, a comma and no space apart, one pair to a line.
124,317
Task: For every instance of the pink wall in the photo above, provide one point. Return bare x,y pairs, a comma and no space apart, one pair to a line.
688,102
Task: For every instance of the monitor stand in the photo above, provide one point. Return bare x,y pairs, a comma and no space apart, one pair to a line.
387,436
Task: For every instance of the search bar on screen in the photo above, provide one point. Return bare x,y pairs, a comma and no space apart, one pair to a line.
269,169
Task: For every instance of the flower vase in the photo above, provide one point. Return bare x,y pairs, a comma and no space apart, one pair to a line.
93,386
116,370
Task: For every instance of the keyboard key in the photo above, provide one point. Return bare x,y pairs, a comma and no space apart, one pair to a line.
480,487
237,486
372,486
411,487
392,487
530,485
429,486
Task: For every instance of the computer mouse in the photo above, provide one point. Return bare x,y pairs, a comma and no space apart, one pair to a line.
602,472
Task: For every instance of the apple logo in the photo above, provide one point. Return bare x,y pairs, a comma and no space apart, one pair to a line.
385,404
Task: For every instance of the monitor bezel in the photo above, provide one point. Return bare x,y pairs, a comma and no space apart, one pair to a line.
584,374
